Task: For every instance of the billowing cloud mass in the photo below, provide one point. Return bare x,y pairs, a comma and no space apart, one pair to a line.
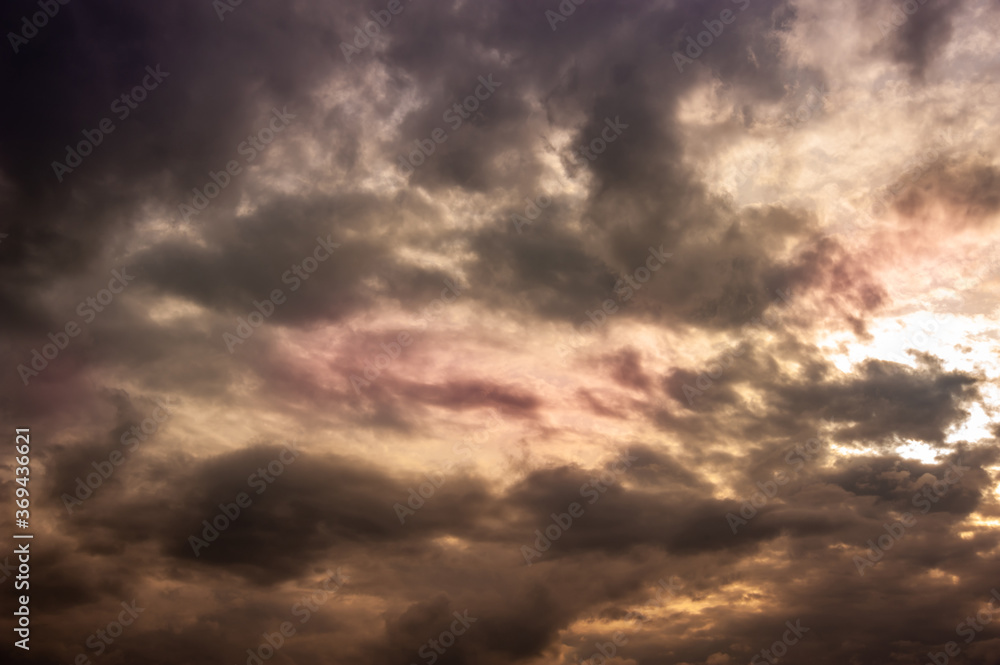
491,332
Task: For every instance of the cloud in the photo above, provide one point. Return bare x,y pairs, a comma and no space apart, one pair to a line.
786,312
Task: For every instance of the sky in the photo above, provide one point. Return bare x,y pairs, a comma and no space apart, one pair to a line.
488,332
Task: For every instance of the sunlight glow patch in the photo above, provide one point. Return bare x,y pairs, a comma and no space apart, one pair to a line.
975,428
851,451
919,451
909,449
452,542
977,519
171,308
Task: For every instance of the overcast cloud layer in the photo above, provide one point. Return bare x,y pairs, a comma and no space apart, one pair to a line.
634,333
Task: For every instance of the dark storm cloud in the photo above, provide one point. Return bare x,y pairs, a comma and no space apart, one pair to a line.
330,506
896,481
966,189
78,460
642,197
916,33
219,86
878,402
847,287
234,269
340,505
887,399
547,269
694,462
626,369
637,92
658,468
723,276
